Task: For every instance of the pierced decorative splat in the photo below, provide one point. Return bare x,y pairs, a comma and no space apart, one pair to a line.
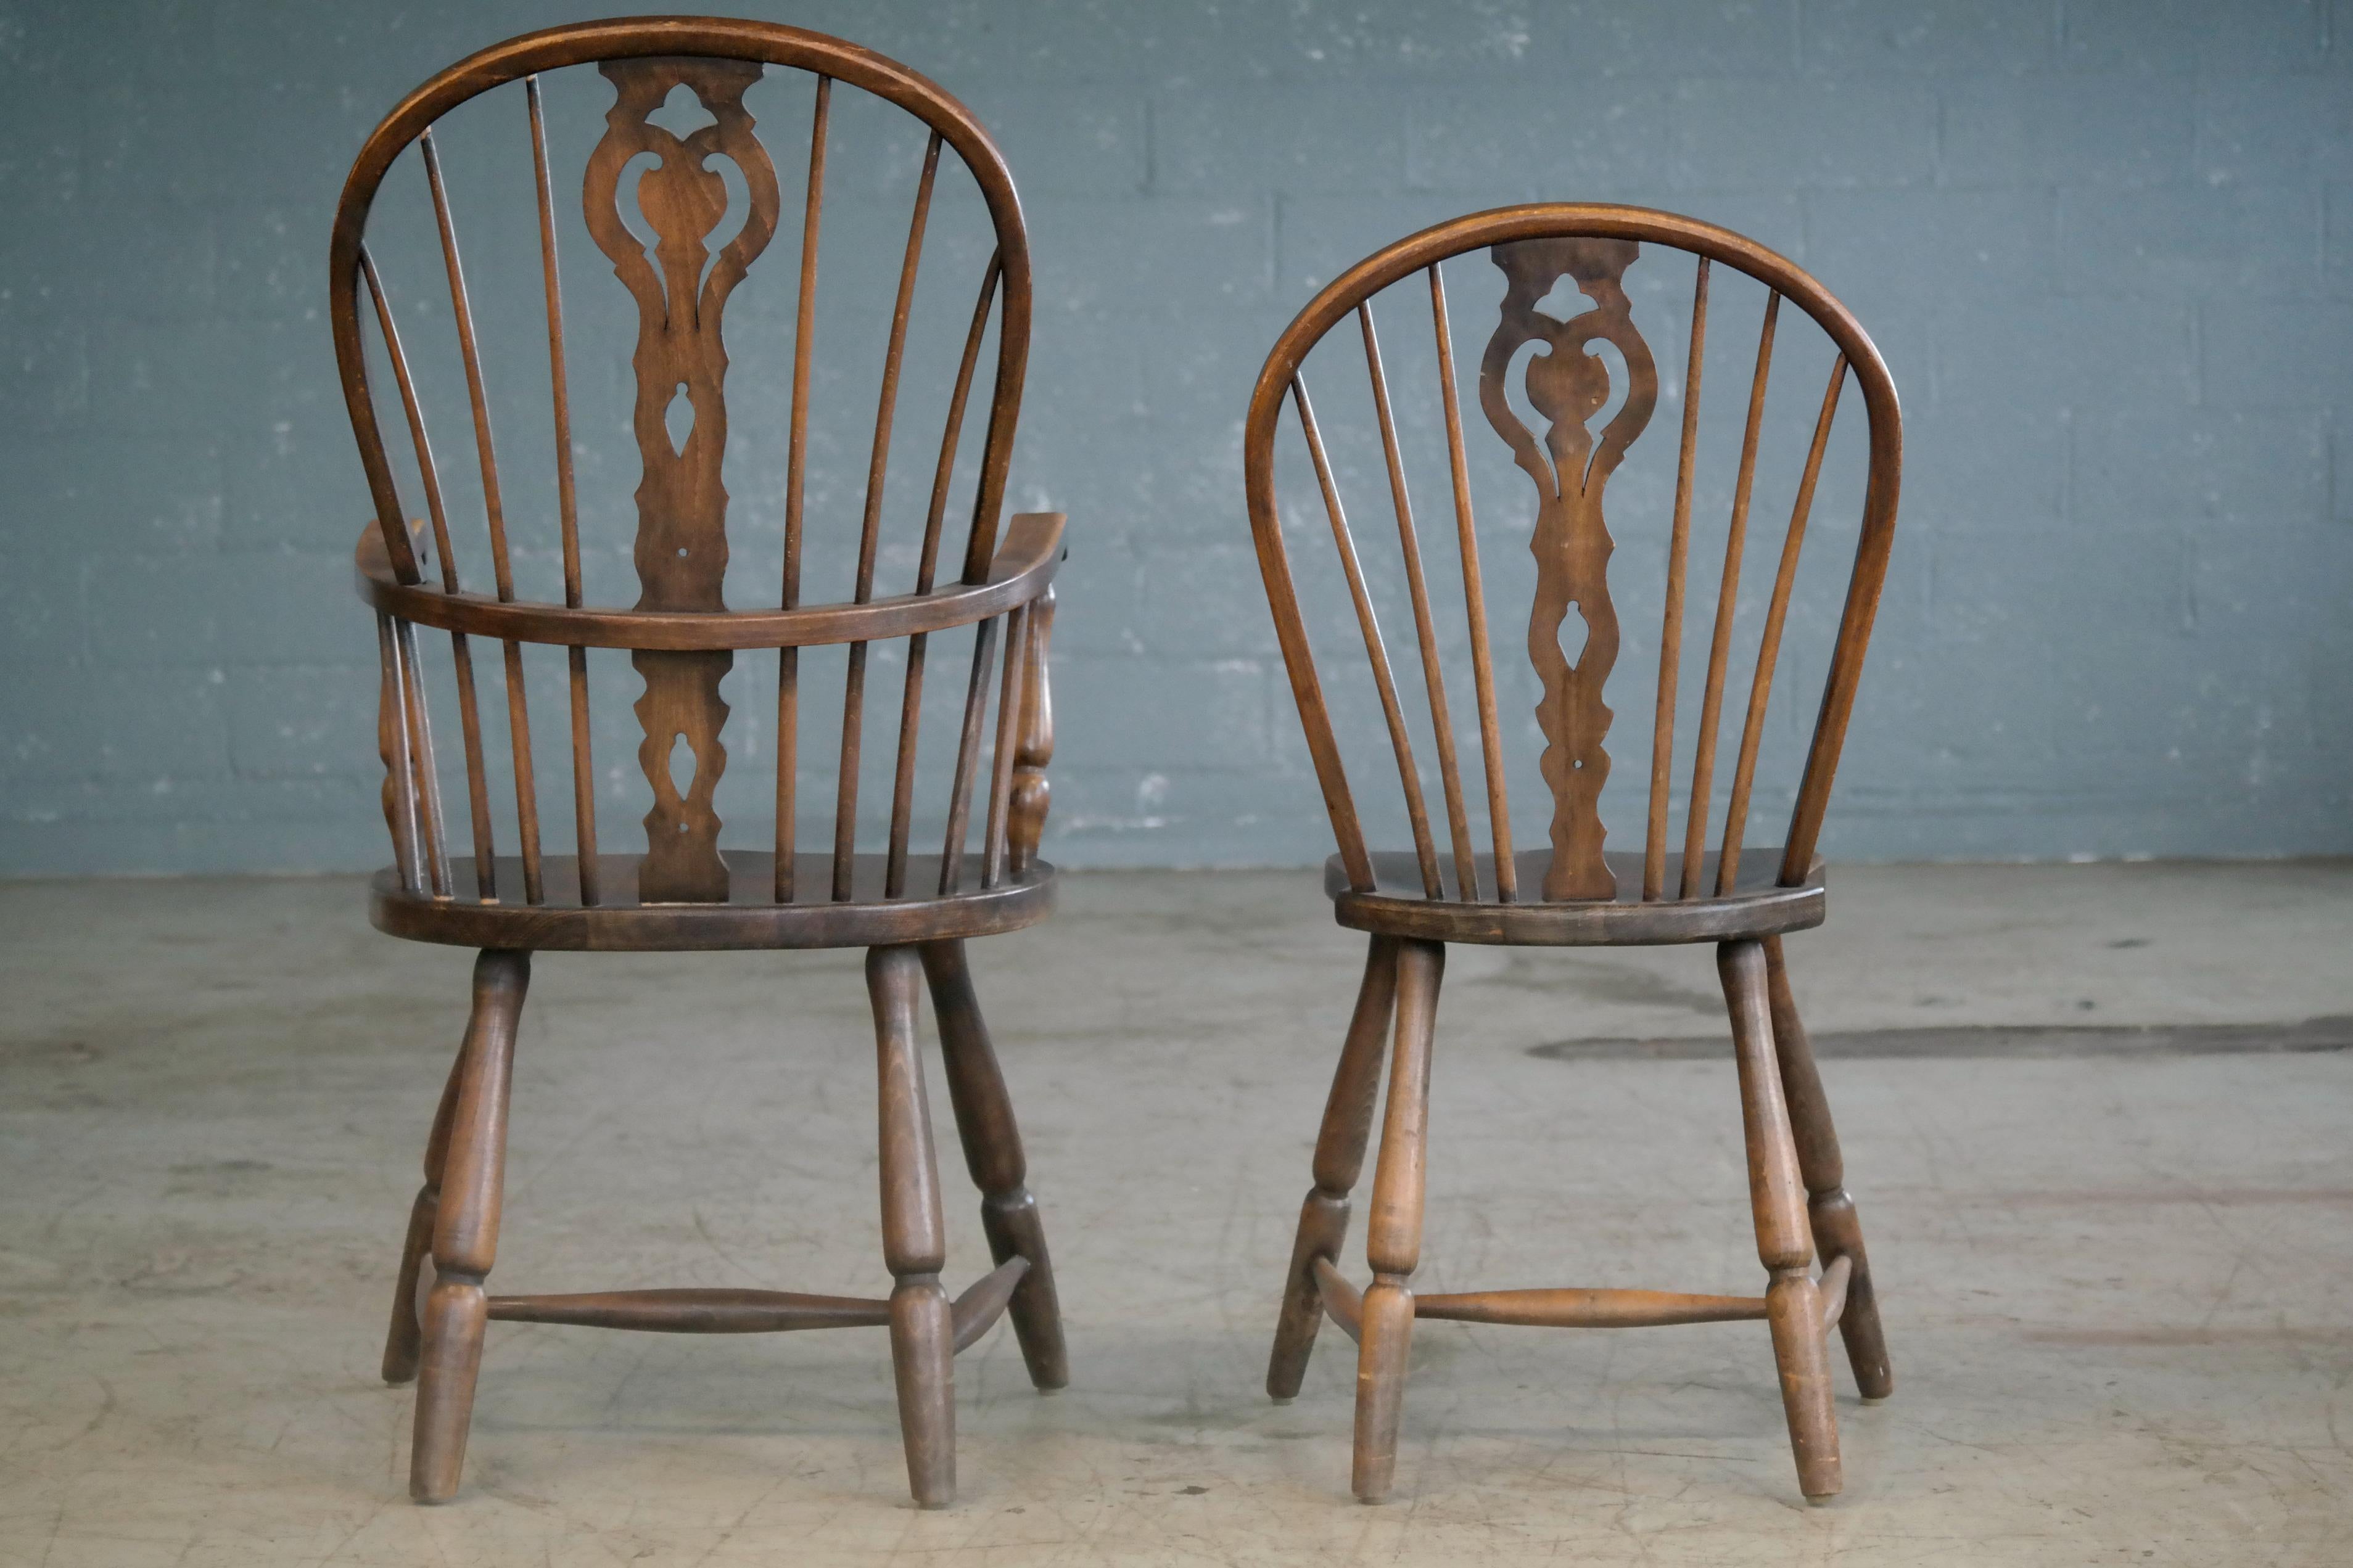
1568,387
681,545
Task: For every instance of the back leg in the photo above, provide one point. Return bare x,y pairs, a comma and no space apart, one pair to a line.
992,1151
1838,1232
1339,1161
403,1341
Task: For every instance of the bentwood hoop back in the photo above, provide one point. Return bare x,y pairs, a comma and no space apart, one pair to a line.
1569,890
683,889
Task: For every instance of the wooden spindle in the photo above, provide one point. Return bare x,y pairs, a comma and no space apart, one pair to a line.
412,410
470,722
853,705
424,771
1474,596
1727,596
789,663
399,773
902,787
1862,591
1442,723
1008,741
583,769
1004,413
1768,647
975,706
494,514
1407,773
1670,633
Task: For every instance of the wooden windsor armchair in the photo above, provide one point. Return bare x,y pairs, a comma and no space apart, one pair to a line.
1571,891
684,891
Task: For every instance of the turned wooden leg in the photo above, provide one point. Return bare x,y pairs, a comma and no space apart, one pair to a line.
1393,1230
1339,1160
914,1237
992,1151
1837,1230
465,1228
1785,1240
405,1337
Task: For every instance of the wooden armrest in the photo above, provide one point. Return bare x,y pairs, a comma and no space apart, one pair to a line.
1023,569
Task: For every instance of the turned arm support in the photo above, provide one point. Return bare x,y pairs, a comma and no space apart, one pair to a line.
1032,794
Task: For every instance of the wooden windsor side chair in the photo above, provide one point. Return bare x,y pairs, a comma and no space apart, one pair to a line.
911,912
1572,892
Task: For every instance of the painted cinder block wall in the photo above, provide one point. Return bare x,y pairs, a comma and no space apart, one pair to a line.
2107,247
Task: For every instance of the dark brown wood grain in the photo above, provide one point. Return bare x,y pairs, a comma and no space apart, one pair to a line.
1568,385
1573,891
682,296
676,266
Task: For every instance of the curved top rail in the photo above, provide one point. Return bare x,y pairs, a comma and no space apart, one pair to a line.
1024,566
1278,380
631,37
1539,220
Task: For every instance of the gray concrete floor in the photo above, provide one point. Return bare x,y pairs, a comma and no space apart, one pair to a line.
2115,1280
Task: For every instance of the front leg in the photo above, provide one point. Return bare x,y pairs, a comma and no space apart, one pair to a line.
915,1235
1393,1231
466,1229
